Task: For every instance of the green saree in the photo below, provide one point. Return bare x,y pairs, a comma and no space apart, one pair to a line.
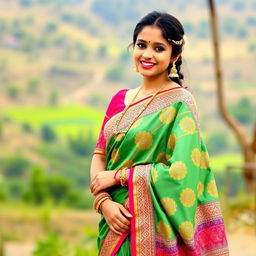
171,192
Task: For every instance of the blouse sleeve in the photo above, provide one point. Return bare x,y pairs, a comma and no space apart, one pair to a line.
116,104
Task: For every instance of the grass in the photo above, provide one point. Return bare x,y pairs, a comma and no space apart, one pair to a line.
65,120
219,162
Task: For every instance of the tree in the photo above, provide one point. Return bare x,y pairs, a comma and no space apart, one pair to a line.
248,145
15,166
115,74
37,189
47,133
13,91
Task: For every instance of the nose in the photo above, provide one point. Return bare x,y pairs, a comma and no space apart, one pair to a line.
147,54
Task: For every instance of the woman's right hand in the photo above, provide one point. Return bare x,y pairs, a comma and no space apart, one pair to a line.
116,216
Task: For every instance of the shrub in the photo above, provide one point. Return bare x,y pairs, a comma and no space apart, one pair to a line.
37,190
58,187
51,245
26,127
48,134
115,74
217,142
81,145
15,166
13,91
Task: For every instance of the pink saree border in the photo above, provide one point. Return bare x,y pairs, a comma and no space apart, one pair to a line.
131,202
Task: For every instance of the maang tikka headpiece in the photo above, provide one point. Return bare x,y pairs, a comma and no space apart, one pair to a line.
180,42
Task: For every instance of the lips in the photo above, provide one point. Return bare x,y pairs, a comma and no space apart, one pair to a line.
147,64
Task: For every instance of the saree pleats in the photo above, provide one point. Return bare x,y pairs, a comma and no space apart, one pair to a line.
171,192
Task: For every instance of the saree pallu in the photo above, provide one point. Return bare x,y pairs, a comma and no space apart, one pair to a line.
171,191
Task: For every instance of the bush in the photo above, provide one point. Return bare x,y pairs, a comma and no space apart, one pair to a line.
58,187
37,191
51,245
3,194
26,127
51,27
243,111
53,98
15,188
115,74
217,142
15,166
82,145
13,91
48,134
33,84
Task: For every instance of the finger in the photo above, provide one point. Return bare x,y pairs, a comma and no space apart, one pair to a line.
119,229
115,231
95,190
123,224
125,211
124,220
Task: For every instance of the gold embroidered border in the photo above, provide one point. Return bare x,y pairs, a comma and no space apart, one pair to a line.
161,101
207,212
144,212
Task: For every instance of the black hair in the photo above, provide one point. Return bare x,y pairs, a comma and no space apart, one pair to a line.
172,29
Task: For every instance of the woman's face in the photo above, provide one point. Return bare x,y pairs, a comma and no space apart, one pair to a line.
152,52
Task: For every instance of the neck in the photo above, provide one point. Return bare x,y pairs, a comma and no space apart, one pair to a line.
154,83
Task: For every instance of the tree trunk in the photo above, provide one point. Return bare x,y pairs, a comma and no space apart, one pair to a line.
248,149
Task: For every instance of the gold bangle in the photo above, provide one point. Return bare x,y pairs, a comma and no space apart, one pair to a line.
100,202
123,177
99,197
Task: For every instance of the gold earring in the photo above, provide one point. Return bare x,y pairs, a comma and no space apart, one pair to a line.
173,72
135,69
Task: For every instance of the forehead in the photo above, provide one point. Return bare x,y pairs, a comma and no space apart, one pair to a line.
152,33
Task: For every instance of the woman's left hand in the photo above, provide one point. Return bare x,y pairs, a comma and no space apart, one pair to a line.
102,180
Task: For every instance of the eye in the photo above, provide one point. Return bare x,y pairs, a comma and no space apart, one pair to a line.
141,45
159,48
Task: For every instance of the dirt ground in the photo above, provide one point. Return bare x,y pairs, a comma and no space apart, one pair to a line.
241,243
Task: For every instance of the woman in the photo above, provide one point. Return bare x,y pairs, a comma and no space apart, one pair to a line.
150,170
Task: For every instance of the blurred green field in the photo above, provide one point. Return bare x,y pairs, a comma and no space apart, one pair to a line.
219,162
65,120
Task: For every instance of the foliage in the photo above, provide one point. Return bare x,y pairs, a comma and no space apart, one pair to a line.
33,84
126,11
51,245
115,74
48,134
37,190
217,142
58,186
13,91
27,127
82,145
69,119
53,98
243,110
3,194
14,166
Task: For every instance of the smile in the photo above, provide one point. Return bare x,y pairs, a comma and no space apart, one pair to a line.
147,65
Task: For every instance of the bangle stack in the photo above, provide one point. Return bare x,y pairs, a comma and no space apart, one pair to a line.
100,198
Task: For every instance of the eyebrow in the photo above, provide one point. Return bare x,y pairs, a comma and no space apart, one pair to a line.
141,40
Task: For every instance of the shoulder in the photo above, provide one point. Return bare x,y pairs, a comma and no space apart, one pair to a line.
181,96
116,103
